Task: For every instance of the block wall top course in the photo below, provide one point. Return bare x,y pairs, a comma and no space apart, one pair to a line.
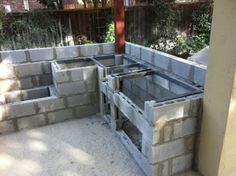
52,53
183,68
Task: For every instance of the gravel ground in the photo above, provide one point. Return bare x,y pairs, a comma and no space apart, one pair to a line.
81,147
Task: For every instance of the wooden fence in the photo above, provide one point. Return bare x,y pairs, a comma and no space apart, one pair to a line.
92,23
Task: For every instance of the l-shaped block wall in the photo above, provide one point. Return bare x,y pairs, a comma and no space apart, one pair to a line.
44,86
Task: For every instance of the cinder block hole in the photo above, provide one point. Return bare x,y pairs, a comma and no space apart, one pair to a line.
118,64
131,131
107,107
23,95
112,60
141,87
81,62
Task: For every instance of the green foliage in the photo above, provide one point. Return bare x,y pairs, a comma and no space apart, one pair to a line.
188,46
110,31
201,23
39,29
165,17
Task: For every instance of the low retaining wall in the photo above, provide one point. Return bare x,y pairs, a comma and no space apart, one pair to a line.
187,70
25,71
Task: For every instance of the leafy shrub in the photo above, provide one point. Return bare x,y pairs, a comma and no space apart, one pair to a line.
110,31
39,29
201,24
165,17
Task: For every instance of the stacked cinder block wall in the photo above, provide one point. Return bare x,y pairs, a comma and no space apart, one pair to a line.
170,128
31,69
184,69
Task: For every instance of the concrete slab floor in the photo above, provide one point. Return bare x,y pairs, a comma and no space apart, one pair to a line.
81,147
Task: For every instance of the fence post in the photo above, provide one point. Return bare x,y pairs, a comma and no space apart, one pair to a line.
119,20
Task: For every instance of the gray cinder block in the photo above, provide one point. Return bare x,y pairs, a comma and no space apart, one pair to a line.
108,48
182,69
147,55
182,163
41,54
60,116
67,52
78,100
28,69
71,88
89,50
200,75
77,74
167,150
185,127
61,76
12,57
135,51
50,104
161,60
127,48
31,122
20,109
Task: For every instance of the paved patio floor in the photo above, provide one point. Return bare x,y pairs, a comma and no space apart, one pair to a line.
81,147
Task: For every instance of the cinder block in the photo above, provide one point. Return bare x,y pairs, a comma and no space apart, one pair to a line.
46,67
90,73
167,133
89,50
84,111
41,54
12,57
7,126
108,48
35,93
6,71
60,116
50,104
135,51
61,76
147,55
165,169
46,79
127,48
71,88
67,52
79,100
161,60
199,75
28,69
36,81
168,150
91,86
21,109
185,127
182,163
25,83
77,74
182,69
31,122
175,110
